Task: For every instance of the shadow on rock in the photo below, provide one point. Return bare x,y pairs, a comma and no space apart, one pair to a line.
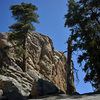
44,88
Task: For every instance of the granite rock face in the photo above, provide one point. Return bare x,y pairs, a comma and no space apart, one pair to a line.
1,92
44,87
89,96
43,63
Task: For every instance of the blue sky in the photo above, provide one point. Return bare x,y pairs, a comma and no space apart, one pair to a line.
52,21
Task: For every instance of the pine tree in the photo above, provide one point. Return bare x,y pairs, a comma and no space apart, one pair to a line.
83,19
25,16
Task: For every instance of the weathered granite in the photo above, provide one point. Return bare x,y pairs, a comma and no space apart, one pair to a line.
1,92
43,63
43,88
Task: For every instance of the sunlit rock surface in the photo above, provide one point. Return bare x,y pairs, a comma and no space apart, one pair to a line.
43,63
72,97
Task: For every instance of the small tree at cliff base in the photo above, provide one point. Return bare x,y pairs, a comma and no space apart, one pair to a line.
25,15
83,18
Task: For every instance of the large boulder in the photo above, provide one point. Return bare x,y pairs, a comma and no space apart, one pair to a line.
10,88
44,88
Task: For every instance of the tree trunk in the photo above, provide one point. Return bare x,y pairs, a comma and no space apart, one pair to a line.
24,56
70,88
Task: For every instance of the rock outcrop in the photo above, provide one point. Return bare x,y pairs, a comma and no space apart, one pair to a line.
88,96
43,63
44,88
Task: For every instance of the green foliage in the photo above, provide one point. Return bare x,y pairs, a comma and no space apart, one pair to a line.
25,16
83,19
6,74
19,52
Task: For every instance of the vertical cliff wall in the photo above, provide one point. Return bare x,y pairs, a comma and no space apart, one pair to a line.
43,63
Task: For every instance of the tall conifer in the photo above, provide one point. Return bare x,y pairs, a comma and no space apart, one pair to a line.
83,18
25,16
